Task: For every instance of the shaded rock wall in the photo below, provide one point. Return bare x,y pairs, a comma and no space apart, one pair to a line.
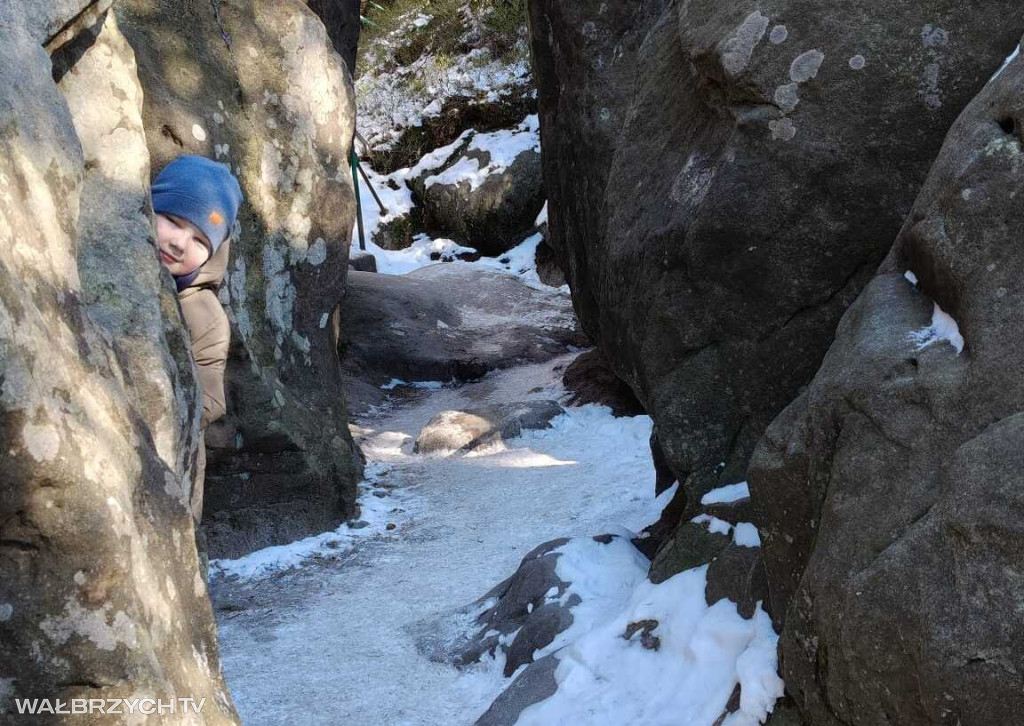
889,494
341,19
257,85
724,178
100,593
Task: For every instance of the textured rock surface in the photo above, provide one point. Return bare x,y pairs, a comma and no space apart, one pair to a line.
535,684
256,84
589,379
462,431
100,595
723,181
446,322
341,18
889,494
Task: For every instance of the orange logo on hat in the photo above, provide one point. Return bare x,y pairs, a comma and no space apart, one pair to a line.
216,218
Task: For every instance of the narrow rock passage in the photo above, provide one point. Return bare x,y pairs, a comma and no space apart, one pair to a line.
328,643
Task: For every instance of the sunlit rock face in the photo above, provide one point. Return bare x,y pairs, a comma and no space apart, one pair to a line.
257,85
889,494
725,177
100,595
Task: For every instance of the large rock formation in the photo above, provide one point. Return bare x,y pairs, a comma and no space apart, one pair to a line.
890,493
100,593
257,85
724,178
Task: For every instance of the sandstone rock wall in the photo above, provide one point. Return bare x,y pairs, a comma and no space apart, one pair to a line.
100,594
724,178
889,494
257,85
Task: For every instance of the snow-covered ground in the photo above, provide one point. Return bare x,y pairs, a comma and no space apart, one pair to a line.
331,641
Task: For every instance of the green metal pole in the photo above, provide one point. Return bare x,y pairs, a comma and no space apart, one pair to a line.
359,204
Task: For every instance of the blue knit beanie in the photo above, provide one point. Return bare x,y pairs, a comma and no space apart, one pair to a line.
202,191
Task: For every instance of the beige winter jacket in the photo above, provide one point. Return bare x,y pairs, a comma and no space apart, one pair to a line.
208,327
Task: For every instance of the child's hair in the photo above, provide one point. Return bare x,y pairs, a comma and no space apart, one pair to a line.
202,191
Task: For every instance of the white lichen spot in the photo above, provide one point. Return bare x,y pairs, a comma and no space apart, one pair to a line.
220,150
805,66
779,34
220,105
177,488
317,254
787,97
929,86
736,51
279,399
691,185
218,118
198,132
80,578
6,691
301,342
91,625
323,320
42,442
253,53
6,612
933,36
782,129
198,585
857,62
271,122
910,277
966,194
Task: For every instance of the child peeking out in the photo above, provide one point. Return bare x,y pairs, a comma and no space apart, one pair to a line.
196,201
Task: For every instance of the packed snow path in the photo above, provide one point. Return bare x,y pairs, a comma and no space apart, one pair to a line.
328,643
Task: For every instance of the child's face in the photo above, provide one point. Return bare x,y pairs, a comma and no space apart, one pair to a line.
183,246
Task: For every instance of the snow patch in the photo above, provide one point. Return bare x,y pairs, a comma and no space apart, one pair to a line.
1007,62
943,327
502,147
703,653
726,494
375,514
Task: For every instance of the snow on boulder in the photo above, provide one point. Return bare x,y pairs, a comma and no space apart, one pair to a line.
489,193
476,428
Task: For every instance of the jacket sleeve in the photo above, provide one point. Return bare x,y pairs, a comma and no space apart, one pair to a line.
210,348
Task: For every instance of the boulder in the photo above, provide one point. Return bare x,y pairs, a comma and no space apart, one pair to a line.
259,87
474,428
889,493
723,181
363,262
535,684
548,268
100,591
488,193
589,379
446,322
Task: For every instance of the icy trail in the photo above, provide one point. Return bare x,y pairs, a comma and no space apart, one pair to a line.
327,644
